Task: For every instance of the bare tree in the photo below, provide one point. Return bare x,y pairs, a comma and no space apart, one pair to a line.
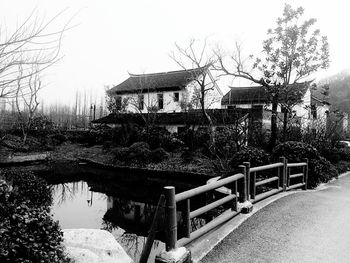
27,99
292,52
197,56
147,107
32,46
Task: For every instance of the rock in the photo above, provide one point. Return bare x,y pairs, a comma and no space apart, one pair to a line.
93,245
81,255
26,159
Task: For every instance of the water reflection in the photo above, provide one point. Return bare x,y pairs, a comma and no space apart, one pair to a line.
76,206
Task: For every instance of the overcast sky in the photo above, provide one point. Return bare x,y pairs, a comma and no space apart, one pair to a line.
116,37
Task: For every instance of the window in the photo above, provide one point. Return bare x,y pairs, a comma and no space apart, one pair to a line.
160,101
176,96
141,102
118,102
314,111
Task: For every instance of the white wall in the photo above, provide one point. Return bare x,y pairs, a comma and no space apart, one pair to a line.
151,99
187,95
303,109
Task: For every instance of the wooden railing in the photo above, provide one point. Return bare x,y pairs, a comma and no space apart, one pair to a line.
243,187
281,179
238,192
301,176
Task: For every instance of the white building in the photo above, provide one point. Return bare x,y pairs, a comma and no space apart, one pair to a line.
307,109
166,92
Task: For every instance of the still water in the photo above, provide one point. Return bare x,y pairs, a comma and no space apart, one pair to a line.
76,206
123,204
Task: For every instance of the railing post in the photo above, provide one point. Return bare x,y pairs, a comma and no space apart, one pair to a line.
253,188
170,218
247,171
306,173
283,173
243,187
287,174
234,192
187,219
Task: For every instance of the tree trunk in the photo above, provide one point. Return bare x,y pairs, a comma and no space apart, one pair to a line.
285,123
24,133
209,121
273,136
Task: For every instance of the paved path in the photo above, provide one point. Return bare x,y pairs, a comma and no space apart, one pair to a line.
311,226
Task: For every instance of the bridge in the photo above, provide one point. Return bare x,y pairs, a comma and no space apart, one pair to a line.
237,194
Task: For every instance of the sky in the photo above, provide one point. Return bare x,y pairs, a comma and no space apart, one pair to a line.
113,38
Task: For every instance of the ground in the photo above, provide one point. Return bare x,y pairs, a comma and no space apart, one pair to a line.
311,226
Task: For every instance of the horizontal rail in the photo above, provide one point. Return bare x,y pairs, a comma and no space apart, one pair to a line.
295,186
208,187
266,181
212,205
265,167
267,194
206,228
296,175
289,165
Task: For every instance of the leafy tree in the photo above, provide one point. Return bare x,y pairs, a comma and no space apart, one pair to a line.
292,52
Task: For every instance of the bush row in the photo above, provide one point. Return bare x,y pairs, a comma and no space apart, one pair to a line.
140,153
320,169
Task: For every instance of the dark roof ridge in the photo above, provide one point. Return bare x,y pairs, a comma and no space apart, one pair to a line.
165,72
261,86
246,87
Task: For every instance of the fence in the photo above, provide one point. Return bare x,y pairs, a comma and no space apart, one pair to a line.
243,188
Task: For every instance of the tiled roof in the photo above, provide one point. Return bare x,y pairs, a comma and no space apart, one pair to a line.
245,95
257,94
173,80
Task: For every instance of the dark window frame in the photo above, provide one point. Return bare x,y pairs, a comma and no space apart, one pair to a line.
160,97
118,102
176,96
314,111
141,100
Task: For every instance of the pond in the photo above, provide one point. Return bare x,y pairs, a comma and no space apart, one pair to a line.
118,204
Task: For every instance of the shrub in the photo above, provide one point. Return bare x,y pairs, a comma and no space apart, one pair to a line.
158,155
127,134
59,138
28,233
30,188
172,143
155,136
332,155
344,154
188,155
320,169
83,137
342,166
139,151
295,151
255,156
195,139
227,141
121,153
